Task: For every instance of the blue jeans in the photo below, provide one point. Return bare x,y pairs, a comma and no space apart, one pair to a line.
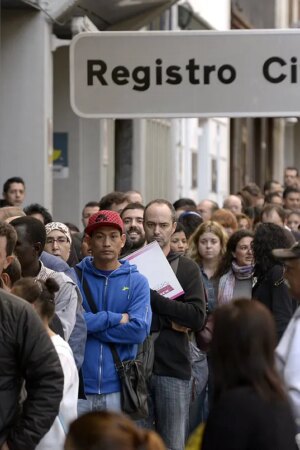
100,402
198,387
171,400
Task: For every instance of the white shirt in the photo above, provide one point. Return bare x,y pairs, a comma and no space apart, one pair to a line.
55,438
288,362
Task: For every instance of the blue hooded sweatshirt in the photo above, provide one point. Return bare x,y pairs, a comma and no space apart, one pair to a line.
124,290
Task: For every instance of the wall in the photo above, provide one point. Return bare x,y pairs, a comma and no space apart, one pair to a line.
216,12
90,150
26,103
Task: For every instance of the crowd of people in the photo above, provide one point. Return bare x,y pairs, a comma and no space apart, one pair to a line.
70,299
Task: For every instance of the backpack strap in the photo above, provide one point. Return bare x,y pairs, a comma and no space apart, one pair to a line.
86,290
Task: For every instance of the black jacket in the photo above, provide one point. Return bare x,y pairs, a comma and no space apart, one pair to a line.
243,420
271,290
172,355
26,354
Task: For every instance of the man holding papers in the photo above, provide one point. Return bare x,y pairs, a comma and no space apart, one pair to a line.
170,383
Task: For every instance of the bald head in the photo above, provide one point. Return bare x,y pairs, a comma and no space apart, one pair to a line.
233,203
206,208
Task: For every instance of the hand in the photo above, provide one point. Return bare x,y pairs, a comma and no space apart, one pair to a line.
4,446
180,328
125,318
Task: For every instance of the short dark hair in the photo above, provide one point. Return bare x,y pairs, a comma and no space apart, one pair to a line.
8,231
36,208
35,230
252,188
290,189
113,197
269,197
72,227
135,205
162,201
291,168
268,184
14,271
11,180
293,211
191,221
91,204
180,228
270,208
181,202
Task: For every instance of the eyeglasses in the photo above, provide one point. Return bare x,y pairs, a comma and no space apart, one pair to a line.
59,240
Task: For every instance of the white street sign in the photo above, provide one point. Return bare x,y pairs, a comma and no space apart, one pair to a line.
186,74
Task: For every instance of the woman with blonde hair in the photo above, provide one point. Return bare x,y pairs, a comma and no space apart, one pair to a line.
207,245
104,430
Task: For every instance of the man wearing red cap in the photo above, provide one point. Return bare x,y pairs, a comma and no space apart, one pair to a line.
122,298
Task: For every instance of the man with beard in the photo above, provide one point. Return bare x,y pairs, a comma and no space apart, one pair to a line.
133,219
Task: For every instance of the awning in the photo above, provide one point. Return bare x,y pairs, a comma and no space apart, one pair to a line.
112,15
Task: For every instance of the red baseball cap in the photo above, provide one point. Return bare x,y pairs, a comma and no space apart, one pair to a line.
104,218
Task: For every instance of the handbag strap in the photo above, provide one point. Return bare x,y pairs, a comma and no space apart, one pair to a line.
94,309
116,358
86,290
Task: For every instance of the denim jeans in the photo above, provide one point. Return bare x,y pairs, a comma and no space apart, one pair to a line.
100,402
198,387
171,400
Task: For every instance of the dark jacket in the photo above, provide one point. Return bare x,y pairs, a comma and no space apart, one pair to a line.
26,353
172,356
242,420
271,290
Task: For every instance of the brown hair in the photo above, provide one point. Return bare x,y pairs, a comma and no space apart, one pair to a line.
41,293
206,227
225,218
243,347
8,231
103,430
241,216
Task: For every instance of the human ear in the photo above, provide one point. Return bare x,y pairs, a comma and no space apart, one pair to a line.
123,239
9,260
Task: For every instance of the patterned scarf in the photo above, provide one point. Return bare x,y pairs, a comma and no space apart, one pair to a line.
227,281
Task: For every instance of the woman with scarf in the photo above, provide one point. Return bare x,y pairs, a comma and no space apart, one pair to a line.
236,268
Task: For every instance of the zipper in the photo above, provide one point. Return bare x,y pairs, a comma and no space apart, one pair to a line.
105,290
101,346
100,368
